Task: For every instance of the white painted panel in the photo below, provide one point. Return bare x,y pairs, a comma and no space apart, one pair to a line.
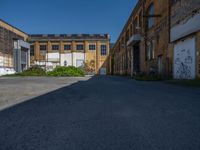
184,59
78,57
66,57
185,28
53,56
5,71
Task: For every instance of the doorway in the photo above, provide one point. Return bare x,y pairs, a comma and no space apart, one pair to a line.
160,64
136,58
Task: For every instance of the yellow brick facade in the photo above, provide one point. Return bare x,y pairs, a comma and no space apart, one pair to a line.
93,58
144,49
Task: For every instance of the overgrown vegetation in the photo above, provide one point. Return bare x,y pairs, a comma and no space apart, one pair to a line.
57,72
66,72
33,71
150,77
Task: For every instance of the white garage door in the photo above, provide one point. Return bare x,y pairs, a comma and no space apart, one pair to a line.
184,59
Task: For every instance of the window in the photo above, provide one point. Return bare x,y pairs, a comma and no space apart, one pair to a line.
67,47
43,47
79,47
103,50
150,51
151,12
92,47
32,50
55,47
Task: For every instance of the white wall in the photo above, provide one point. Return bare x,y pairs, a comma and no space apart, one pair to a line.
66,57
185,28
185,59
73,59
52,57
5,71
78,57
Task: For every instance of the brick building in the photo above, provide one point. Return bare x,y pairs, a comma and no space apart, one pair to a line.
152,40
76,50
14,51
142,46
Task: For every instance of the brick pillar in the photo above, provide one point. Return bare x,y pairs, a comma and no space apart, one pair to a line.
86,47
61,47
49,46
37,51
73,46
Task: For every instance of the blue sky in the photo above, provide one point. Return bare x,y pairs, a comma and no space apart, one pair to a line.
67,16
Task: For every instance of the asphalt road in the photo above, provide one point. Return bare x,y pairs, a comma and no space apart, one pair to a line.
15,90
105,113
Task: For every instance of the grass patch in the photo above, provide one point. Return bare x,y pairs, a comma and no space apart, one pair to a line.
66,72
189,83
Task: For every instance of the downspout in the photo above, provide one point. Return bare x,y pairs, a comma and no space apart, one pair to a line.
145,33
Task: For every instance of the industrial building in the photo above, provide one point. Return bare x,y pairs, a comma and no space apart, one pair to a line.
51,50
19,51
161,38
14,50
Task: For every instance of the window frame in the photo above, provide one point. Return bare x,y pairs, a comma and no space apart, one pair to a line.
151,20
103,50
43,48
53,47
92,47
78,48
67,47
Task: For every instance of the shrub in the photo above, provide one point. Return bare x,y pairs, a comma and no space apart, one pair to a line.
33,71
66,72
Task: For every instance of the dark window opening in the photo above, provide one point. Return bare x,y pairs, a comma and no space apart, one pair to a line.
55,47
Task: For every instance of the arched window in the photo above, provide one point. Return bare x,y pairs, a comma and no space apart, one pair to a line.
65,63
151,12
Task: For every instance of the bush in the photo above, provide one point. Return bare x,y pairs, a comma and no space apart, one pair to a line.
66,72
33,71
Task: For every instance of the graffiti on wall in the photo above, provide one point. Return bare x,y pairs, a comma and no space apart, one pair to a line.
183,70
184,60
